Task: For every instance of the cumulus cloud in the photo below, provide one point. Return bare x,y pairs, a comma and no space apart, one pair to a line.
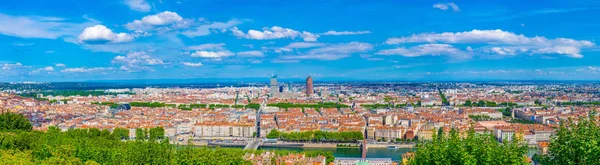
423,50
151,21
504,50
207,29
331,52
214,51
589,69
8,66
138,5
85,70
99,34
446,6
212,54
336,33
13,70
135,61
192,64
209,46
504,41
60,65
253,53
274,32
47,69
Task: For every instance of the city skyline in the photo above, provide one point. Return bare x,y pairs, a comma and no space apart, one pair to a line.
342,40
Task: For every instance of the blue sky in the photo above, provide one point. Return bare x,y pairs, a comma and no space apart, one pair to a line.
79,40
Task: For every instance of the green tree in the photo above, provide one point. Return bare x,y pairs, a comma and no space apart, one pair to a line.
473,149
468,103
12,121
575,143
157,133
274,134
481,103
140,134
121,133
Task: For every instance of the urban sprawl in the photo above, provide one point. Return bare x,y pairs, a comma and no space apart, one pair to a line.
281,114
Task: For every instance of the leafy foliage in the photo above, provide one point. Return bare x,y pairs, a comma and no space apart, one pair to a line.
575,143
316,106
481,117
444,99
86,146
580,103
12,121
317,136
473,149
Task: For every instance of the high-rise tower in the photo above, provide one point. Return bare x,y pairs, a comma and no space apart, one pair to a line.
273,89
309,86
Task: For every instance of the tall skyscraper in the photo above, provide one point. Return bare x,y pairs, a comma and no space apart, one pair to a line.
273,89
309,86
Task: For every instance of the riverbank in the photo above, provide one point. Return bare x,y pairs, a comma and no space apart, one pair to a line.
391,145
310,145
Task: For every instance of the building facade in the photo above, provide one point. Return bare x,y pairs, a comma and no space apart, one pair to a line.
274,88
309,86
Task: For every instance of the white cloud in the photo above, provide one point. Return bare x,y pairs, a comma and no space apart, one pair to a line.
13,70
446,6
22,44
210,46
503,51
255,61
253,53
423,50
135,61
592,69
207,29
331,52
60,65
39,27
99,34
274,32
138,5
336,33
150,21
298,45
351,47
212,54
192,64
8,66
85,70
214,51
47,69
502,39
